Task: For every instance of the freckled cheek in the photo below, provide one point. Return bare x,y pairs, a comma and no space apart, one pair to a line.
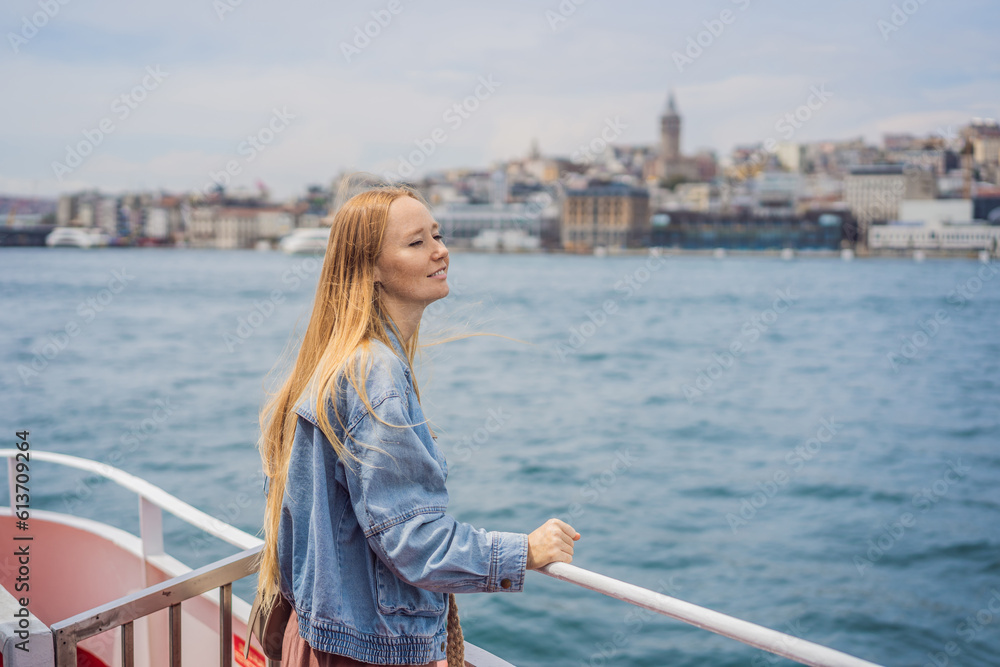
399,280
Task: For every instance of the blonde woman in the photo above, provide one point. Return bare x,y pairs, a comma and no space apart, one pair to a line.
357,535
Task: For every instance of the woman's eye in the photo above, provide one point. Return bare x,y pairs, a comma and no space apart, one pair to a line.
416,243
439,237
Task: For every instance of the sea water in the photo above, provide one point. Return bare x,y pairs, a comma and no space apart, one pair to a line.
811,445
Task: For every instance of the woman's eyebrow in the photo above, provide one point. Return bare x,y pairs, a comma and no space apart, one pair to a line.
418,230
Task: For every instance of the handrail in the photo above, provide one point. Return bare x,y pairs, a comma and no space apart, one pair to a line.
150,492
789,646
193,583
124,611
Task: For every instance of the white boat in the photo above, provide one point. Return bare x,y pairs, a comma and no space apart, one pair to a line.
77,237
505,240
847,255
79,592
787,254
306,241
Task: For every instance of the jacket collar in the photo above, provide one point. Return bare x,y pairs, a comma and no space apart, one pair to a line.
390,330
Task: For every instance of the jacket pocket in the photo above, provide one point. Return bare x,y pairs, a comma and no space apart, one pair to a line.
395,596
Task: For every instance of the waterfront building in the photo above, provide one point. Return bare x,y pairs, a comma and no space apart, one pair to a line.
873,193
66,210
691,230
936,213
776,192
693,196
791,156
936,224
983,137
496,225
237,227
916,236
838,158
613,215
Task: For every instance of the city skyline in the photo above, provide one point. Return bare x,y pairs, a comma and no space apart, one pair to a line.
165,97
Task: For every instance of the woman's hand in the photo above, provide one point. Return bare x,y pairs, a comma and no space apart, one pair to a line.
552,542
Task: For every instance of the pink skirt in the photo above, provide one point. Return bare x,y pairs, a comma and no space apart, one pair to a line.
297,652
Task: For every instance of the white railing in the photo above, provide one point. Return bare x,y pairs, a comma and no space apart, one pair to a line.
789,646
152,500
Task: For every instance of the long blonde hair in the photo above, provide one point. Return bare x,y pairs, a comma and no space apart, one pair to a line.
347,315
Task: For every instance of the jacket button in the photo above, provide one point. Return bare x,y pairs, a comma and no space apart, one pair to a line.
505,583
443,646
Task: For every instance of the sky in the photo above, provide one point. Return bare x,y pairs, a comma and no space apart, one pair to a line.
121,95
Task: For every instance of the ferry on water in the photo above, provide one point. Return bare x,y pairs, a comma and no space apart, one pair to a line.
306,241
82,593
77,237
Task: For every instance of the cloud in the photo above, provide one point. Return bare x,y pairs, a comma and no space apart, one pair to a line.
559,87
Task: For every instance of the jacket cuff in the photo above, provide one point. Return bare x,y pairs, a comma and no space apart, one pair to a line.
509,560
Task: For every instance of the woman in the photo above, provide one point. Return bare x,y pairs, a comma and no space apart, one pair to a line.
356,532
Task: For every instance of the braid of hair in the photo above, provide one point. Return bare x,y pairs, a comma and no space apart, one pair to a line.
456,641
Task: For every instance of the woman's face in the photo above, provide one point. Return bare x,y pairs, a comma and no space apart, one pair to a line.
413,263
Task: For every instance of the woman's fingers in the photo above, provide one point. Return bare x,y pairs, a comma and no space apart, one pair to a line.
550,543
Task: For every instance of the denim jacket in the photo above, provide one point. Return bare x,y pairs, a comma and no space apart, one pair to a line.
366,550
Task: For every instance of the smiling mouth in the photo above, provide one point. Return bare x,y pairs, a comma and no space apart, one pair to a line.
439,272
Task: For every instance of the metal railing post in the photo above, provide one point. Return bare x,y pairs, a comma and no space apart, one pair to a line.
175,635
226,626
128,644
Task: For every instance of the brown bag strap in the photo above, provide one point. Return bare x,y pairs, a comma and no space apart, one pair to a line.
251,622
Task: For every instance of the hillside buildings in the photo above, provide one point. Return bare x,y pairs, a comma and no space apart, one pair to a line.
940,191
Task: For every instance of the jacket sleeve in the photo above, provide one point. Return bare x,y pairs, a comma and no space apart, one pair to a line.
399,497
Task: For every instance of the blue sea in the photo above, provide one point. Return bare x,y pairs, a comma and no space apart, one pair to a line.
812,445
